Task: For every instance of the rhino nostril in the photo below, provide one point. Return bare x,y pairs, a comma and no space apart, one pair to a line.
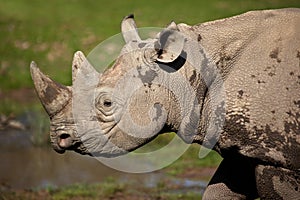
65,140
64,136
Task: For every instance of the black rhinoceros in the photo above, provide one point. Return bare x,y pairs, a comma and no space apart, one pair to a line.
233,84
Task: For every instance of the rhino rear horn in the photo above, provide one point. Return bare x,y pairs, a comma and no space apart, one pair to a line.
78,59
81,65
129,30
53,95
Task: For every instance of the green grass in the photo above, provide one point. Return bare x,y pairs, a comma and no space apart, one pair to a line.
106,189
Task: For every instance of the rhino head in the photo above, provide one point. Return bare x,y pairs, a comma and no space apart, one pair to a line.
57,101
153,87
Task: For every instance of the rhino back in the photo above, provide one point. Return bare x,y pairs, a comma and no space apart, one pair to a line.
258,54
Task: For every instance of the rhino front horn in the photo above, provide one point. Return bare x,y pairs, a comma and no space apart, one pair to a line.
53,95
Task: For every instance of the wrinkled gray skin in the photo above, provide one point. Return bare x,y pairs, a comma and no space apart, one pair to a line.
257,55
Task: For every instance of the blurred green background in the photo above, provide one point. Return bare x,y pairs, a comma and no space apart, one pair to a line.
49,32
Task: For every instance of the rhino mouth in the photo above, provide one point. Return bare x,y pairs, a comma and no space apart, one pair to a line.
65,143
78,147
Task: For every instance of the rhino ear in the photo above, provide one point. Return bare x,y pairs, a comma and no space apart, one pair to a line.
129,30
170,44
53,95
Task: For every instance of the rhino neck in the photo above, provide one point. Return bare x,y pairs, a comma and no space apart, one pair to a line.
223,42
187,91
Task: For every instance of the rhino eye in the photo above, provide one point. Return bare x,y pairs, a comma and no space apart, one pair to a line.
104,103
107,103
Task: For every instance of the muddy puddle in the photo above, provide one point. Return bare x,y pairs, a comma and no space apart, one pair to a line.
24,164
